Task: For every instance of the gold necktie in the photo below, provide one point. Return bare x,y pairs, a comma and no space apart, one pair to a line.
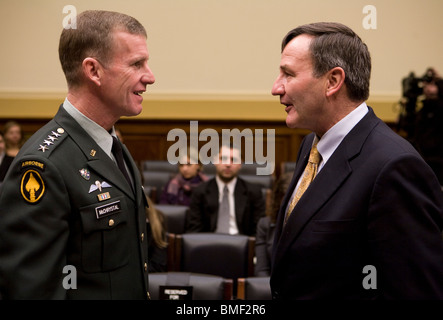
308,176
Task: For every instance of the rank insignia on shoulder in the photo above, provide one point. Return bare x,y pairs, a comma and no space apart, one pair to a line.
32,186
50,140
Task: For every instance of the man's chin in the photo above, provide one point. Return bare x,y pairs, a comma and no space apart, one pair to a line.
226,179
290,123
134,111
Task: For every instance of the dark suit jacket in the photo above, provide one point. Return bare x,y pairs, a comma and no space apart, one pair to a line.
375,202
249,207
52,216
264,240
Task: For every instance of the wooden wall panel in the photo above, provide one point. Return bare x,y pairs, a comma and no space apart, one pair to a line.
147,139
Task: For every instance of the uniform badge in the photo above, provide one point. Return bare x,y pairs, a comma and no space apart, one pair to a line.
108,209
32,186
99,186
85,174
103,196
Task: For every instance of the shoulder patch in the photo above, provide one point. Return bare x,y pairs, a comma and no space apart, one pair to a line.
32,186
32,163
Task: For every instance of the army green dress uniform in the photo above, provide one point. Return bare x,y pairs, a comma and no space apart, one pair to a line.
71,227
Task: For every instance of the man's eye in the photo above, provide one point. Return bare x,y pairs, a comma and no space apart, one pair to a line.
138,64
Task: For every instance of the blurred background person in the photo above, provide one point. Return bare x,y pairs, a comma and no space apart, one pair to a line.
157,244
5,160
14,137
266,226
226,203
428,133
421,117
179,189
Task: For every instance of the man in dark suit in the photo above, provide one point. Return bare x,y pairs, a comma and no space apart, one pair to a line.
72,226
245,203
369,224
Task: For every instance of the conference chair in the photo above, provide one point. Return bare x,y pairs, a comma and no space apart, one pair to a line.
189,286
254,288
287,166
175,217
225,255
154,183
158,166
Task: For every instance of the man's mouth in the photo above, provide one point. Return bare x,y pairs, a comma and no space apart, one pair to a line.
288,106
138,93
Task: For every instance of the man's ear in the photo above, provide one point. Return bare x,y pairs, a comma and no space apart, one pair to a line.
336,79
92,70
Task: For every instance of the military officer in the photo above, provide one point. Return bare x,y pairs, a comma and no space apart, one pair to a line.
71,225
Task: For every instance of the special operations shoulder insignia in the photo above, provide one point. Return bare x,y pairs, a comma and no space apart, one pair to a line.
32,186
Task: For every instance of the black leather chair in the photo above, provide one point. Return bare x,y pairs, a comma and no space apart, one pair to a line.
254,288
287,166
209,170
263,181
175,217
228,256
250,168
158,166
154,183
197,286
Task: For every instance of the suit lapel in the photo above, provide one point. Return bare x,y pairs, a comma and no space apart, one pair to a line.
240,203
302,160
329,179
212,202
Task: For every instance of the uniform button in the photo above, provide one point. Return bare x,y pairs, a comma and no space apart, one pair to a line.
146,266
111,222
142,236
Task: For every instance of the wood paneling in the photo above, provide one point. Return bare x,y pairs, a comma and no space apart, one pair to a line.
147,139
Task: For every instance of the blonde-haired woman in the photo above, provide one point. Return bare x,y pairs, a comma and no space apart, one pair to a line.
157,244
14,138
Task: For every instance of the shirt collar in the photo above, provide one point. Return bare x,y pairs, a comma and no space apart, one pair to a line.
221,184
330,141
99,134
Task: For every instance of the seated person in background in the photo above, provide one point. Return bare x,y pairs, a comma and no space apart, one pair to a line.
14,138
5,160
178,190
226,203
157,244
266,226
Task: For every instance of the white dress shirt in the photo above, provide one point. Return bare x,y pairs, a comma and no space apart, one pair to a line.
330,141
233,229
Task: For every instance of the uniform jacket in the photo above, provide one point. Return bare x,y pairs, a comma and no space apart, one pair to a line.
4,166
374,203
249,207
68,217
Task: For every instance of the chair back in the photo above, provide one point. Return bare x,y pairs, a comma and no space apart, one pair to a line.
192,286
228,256
175,217
254,288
